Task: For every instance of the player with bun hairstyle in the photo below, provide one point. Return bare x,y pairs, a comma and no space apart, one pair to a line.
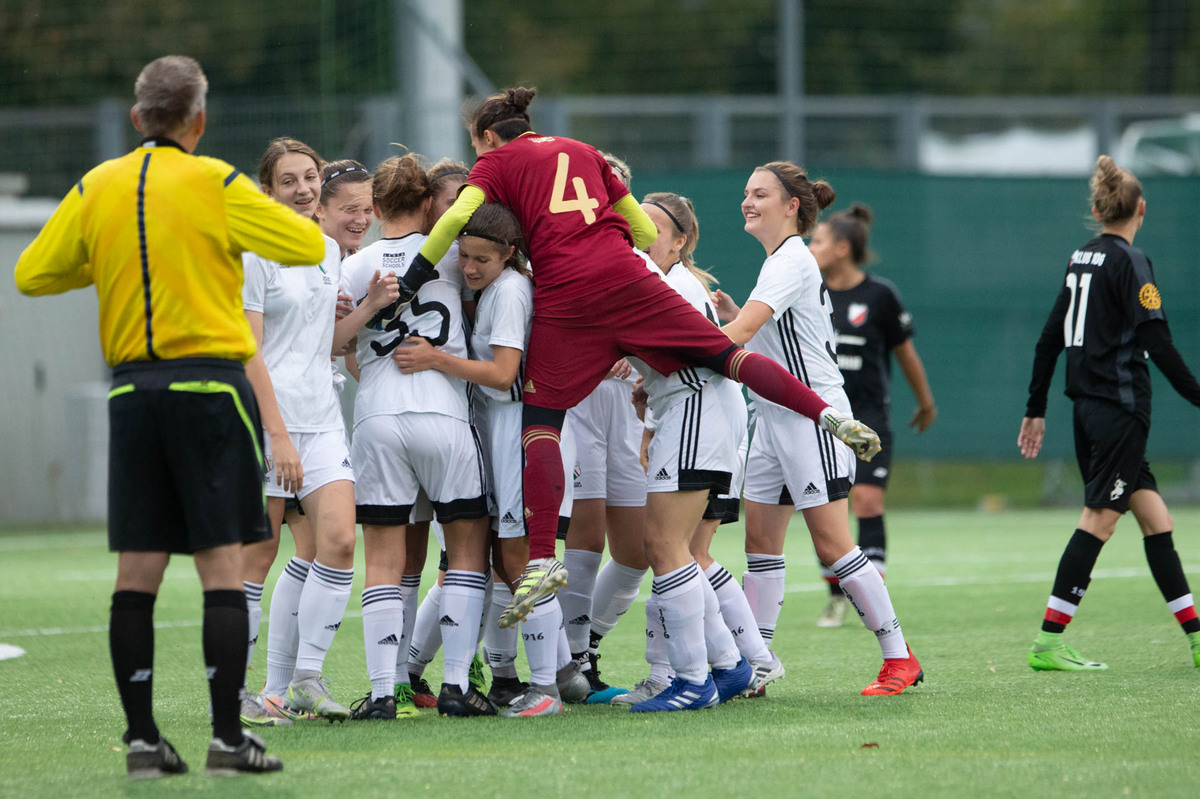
871,325
1109,318
344,211
578,220
794,464
412,432
292,315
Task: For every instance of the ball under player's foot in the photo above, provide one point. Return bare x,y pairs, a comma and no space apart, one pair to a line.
860,438
896,675
1049,653
542,578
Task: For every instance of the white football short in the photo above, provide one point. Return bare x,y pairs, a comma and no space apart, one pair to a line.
608,440
794,462
325,458
395,456
504,454
692,449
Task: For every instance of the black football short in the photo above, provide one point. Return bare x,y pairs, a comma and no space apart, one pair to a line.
185,464
877,472
1110,447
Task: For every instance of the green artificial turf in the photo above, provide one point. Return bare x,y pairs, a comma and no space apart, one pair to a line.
969,589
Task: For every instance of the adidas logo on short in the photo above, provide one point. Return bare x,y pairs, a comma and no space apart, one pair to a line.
508,518
333,627
346,463
446,621
583,618
662,474
254,640
391,640
811,489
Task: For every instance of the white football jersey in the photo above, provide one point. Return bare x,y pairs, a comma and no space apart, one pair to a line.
299,305
502,320
435,313
665,391
799,335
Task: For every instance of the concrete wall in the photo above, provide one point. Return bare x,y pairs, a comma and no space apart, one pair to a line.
53,382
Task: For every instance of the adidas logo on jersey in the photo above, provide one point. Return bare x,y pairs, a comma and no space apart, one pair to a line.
811,489
528,388
582,618
446,621
662,474
508,518
391,640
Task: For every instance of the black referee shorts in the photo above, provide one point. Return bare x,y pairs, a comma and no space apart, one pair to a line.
1110,447
877,472
185,464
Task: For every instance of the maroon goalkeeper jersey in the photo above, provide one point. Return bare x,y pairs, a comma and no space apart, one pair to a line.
562,191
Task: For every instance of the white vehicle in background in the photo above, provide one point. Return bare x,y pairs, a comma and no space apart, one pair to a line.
1162,147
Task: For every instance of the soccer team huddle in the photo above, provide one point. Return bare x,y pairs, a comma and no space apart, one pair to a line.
537,362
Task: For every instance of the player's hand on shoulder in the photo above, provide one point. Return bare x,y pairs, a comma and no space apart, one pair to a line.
1029,440
416,354
922,418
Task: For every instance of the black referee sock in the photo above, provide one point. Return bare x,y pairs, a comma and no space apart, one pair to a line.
872,540
131,641
1071,581
226,627
1168,573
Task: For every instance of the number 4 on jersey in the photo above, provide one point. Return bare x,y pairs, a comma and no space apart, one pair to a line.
559,204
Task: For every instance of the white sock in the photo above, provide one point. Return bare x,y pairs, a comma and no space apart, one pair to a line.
383,623
283,629
576,599
736,612
656,643
322,608
540,631
427,634
617,587
462,609
410,592
564,651
861,582
500,643
721,646
253,592
681,602
763,585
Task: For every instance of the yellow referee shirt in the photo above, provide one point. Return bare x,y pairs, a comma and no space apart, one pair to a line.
160,233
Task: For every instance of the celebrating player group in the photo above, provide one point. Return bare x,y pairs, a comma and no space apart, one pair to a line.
538,359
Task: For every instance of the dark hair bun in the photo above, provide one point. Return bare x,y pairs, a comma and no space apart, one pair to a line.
862,213
823,193
519,98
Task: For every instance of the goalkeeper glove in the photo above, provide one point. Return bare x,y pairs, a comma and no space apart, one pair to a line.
860,438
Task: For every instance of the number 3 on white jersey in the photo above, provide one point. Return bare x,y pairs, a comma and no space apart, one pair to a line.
1075,339
559,204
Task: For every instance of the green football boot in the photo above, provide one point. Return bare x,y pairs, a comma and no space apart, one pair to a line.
1049,653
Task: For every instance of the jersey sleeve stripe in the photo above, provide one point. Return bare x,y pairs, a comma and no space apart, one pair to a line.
232,176
145,256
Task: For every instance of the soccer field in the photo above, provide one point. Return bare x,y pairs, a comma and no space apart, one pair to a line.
969,589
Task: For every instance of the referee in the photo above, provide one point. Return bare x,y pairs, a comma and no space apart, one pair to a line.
159,232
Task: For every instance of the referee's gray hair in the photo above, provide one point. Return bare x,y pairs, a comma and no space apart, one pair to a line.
170,92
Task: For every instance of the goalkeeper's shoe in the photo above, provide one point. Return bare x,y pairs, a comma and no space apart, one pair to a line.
149,761
406,708
860,438
1054,655
542,578
896,675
